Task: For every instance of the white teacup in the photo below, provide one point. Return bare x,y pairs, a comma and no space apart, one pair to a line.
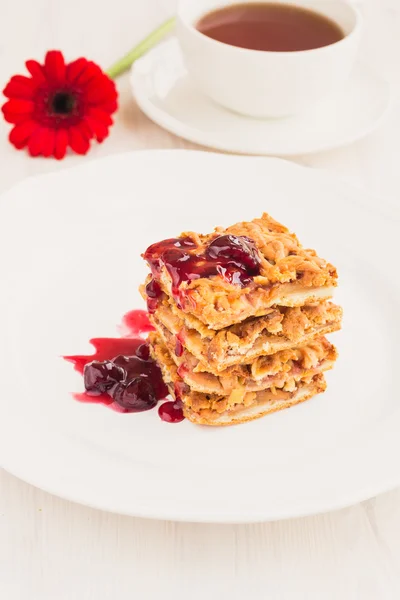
262,83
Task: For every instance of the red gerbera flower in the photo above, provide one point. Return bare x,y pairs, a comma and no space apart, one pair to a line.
59,105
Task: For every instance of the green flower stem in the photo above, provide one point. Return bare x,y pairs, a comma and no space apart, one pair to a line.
151,40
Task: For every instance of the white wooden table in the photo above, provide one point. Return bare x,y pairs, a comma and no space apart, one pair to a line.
53,549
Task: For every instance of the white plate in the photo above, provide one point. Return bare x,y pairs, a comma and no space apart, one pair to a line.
70,246
165,93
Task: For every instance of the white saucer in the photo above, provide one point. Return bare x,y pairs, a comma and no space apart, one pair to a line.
165,93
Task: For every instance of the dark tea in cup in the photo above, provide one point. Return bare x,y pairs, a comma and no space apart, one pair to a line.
270,26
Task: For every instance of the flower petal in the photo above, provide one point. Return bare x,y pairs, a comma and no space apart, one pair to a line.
17,110
90,72
86,130
20,86
108,107
61,143
55,66
99,115
100,131
48,141
35,143
101,90
20,134
78,141
36,70
75,68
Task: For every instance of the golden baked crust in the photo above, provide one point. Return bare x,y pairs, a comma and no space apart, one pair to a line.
217,409
265,404
280,329
289,275
280,370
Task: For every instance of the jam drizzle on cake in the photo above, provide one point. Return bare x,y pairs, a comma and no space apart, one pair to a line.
234,258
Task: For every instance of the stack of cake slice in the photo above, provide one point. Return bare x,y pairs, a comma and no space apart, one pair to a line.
241,317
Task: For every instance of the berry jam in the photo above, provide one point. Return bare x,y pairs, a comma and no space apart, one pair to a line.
101,376
171,412
136,322
121,373
153,293
239,251
234,258
143,351
180,388
182,370
178,347
135,395
155,251
106,349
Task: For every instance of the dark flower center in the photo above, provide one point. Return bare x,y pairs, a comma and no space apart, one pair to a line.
62,103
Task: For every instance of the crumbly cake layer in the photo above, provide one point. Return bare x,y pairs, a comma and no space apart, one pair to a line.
282,328
216,409
280,370
286,275
265,403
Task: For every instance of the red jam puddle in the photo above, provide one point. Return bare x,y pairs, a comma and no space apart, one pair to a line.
122,375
